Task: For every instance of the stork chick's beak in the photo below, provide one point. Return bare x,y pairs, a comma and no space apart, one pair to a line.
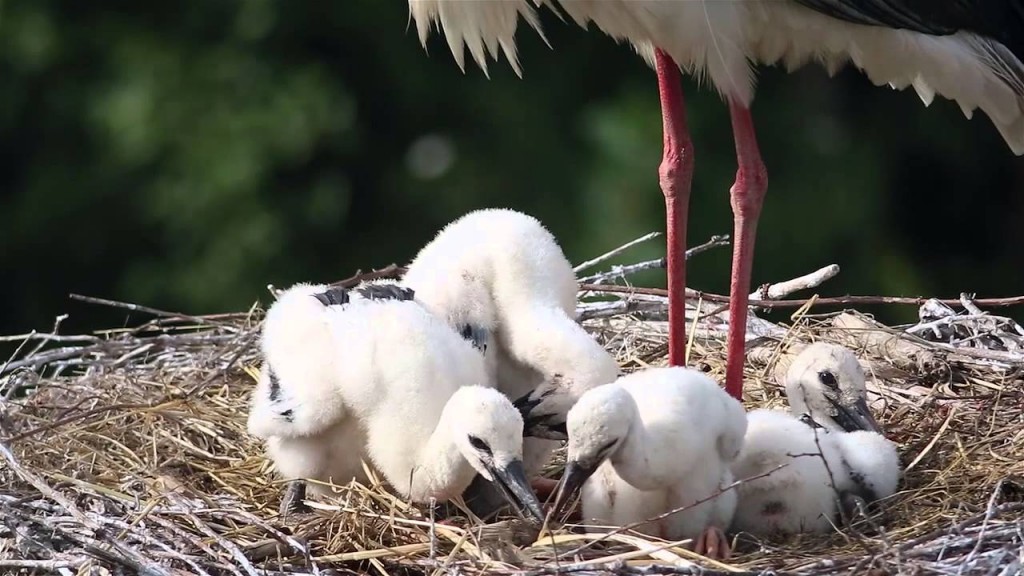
516,488
539,425
526,403
856,417
572,480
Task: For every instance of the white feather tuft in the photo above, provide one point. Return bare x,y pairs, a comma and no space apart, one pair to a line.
483,26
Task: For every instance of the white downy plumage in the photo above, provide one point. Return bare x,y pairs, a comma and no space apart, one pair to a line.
350,364
303,422
832,452
500,278
719,41
652,442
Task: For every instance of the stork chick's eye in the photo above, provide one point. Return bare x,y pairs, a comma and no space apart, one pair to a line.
828,379
479,445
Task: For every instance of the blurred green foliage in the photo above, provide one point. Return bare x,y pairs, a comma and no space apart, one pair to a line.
186,154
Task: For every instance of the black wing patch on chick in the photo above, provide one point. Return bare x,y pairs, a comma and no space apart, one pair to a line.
274,394
386,292
861,486
275,385
333,296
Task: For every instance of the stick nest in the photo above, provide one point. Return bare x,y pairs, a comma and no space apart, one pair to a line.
125,451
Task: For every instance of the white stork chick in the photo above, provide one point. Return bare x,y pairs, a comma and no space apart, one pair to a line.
296,346
500,278
304,434
832,452
826,382
652,442
382,359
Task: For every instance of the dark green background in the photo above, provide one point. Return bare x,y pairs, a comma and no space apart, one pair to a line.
185,154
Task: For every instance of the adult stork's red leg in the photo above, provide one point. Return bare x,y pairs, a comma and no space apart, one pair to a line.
675,173
747,196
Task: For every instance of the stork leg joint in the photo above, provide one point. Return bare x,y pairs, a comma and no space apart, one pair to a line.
676,168
747,194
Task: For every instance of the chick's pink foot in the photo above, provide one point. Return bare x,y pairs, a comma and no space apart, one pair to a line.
713,544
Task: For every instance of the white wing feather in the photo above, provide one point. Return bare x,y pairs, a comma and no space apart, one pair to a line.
719,41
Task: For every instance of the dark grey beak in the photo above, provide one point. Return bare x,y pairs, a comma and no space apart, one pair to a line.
572,480
516,488
539,425
525,403
856,417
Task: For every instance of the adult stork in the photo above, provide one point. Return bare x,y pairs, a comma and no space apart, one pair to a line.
970,51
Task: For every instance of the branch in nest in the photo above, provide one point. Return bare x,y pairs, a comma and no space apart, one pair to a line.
145,309
658,264
45,565
769,291
652,302
110,548
391,272
613,253
797,303
787,287
975,329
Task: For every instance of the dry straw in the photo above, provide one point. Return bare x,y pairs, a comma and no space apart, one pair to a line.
125,451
